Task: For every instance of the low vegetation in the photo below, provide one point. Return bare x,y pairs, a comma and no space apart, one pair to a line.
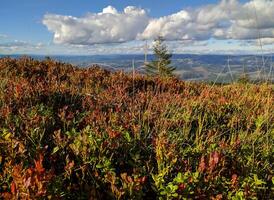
71,133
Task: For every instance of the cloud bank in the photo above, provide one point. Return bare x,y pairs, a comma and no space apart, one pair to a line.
17,45
109,26
228,19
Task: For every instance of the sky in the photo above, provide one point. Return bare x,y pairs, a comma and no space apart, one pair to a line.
88,27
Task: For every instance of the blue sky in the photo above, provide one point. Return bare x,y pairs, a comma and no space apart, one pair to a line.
33,26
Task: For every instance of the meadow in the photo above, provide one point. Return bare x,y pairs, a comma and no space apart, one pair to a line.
87,133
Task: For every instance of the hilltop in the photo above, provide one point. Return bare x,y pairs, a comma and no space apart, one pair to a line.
87,133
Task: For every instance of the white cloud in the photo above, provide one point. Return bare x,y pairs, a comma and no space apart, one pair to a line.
257,14
21,46
171,27
105,27
228,19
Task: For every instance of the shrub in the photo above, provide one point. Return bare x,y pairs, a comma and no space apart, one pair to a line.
83,134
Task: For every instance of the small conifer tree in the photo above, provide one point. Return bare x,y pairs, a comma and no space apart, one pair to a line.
160,66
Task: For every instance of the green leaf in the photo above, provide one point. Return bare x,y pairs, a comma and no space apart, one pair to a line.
127,136
55,149
99,166
258,181
163,193
175,195
179,178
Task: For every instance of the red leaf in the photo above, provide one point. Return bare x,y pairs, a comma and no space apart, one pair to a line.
143,179
39,164
202,165
13,188
216,157
234,179
182,186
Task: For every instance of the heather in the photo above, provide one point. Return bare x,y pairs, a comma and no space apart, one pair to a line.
87,133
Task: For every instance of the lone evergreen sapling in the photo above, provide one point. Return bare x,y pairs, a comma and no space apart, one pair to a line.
162,65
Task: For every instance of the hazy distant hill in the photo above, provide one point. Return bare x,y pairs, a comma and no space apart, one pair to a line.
189,66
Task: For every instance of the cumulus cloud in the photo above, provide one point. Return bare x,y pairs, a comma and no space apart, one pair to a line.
105,27
227,19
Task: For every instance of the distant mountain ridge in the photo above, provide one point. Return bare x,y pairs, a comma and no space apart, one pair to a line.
189,66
